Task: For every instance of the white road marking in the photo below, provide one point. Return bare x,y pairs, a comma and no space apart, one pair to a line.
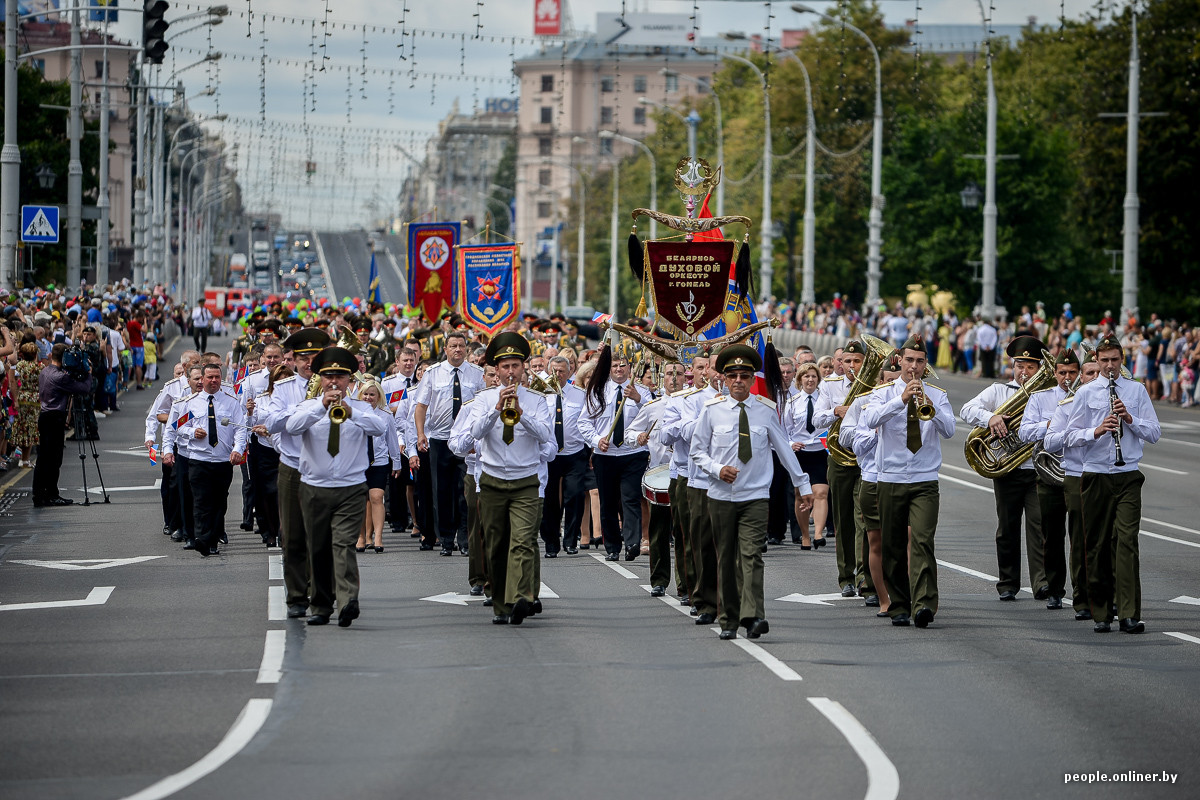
968,484
96,597
883,781
814,599
967,570
1144,465
271,669
1169,539
614,566
245,727
781,670
960,469
276,608
275,567
110,489
1180,441
1186,600
85,563
1170,525
546,592
452,598
1183,636
673,603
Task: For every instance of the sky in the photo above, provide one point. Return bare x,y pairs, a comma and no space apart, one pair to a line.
356,119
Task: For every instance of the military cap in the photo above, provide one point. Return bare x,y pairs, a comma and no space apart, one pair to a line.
335,361
323,322
506,345
389,323
307,340
272,325
1067,357
257,315
552,327
854,346
1026,347
362,323
913,343
738,356
293,322
1109,342
1089,357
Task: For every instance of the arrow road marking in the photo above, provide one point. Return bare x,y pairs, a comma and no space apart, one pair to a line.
1186,600
97,490
451,598
545,592
85,563
815,599
97,597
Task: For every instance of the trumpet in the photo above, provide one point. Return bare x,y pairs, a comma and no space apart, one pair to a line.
338,412
510,415
923,409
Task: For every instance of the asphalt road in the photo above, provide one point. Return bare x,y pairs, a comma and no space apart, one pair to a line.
169,686
348,265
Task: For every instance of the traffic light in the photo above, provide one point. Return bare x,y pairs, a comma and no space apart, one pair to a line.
154,30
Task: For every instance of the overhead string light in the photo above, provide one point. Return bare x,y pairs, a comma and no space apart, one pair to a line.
312,65
767,39
403,33
262,72
249,19
412,63
478,19
915,44
325,37
363,73
841,84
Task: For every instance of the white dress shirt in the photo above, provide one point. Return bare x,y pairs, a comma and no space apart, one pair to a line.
520,458
285,398
461,442
715,445
310,422
889,413
172,390
693,407
831,392
986,337
1038,412
396,382
650,416
573,401
231,437
795,421
594,427
672,432
980,409
861,440
436,393
1056,439
1091,405
386,445
256,383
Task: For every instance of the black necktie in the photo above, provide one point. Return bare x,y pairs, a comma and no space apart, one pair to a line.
212,424
334,441
808,423
457,396
370,450
558,423
912,434
618,435
744,452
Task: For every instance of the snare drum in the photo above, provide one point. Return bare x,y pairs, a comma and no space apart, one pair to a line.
656,485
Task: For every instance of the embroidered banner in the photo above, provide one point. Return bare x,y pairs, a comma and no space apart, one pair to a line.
488,276
688,282
431,285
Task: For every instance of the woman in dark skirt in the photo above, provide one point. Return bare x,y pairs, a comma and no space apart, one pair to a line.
810,453
382,453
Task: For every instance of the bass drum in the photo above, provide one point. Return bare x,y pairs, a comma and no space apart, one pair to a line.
656,485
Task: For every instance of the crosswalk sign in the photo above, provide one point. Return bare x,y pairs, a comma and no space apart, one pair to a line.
39,224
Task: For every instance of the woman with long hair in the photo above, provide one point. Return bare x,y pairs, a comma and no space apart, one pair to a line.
382,453
810,453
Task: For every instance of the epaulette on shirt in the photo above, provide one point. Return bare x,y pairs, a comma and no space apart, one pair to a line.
833,377
231,394
880,386
718,399
686,392
1066,400
472,400
174,380
766,401
1047,389
285,380
933,386
187,397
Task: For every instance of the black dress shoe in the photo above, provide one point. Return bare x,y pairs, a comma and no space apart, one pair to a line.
821,542
727,635
631,553
446,551
214,550
572,550
520,610
757,628
500,619
1008,595
848,591
318,619
190,544
466,553
553,554
613,557
166,530
224,537
1101,627
764,548
202,548
1082,615
685,601
426,546
658,591
177,536
59,501
872,600
348,614
900,620
477,591
1042,593
1054,602
706,619
247,526
487,601
537,606
296,611
923,618
774,541
1131,625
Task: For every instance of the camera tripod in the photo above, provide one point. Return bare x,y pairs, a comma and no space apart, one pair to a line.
86,431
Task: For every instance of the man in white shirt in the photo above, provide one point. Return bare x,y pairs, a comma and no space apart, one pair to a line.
732,443
986,338
1111,420
565,494
395,388
201,320
159,413
675,419
908,456
1015,492
437,402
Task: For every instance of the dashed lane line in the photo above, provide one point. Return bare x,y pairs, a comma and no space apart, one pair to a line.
1183,636
276,609
271,669
275,567
883,781
614,566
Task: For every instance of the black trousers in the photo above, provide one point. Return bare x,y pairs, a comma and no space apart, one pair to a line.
51,440
449,475
565,497
187,507
200,338
1016,493
426,504
264,473
210,497
169,490
1054,530
397,491
781,510
987,363
619,481
247,495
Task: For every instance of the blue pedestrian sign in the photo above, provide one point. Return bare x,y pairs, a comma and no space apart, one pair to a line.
39,224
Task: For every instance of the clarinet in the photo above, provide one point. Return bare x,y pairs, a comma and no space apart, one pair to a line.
1112,402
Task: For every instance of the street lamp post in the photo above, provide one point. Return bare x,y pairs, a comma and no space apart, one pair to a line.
720,132
653,173
10,156
875,218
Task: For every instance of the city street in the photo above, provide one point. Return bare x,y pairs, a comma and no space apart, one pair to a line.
131,668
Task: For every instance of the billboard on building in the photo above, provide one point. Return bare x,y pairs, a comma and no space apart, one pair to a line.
547,18
45,9
644,30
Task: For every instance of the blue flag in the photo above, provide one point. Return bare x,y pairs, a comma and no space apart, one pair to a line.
373,295
103,10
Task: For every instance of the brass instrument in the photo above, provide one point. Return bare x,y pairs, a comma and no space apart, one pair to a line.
1046,464
346,340
876,356
547,385
337,413
993,456
510,415
925,410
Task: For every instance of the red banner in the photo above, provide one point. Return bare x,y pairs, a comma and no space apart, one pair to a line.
547,17
431,284
689,281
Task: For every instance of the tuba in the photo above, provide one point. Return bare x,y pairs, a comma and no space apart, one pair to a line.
993,456
877,354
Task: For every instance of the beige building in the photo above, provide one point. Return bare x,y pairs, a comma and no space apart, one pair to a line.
566,97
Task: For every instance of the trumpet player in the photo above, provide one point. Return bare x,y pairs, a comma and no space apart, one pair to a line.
912,417
1112,419
1034,423
1016,491
333,430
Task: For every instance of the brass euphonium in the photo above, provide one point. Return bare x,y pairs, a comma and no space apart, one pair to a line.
861,383
993,456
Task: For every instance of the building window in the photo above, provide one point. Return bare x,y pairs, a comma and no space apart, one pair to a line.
543,210
606,84
702,84
639,115
543,177
606,147
547,83
545,146
672,83
606,115
99,69
547,115
639,84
